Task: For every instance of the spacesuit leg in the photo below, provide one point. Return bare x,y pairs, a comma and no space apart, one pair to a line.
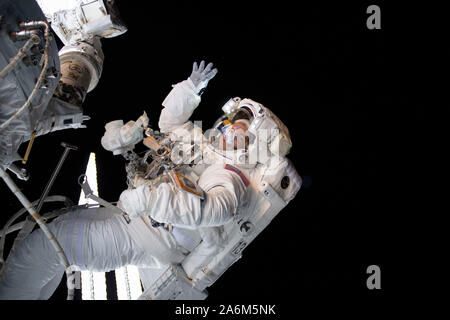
92,239
51,286
212,242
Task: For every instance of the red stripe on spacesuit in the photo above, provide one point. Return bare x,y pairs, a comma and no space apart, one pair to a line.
240,174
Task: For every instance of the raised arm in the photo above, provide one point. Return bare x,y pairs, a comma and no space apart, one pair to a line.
182,100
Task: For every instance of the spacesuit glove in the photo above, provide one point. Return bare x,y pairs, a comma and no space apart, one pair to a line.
132,132
135,202
120,137
200,75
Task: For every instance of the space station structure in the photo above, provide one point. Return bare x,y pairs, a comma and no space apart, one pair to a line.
42,88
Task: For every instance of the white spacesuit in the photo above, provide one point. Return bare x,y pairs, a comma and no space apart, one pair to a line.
199,219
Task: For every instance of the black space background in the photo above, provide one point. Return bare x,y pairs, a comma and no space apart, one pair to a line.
341,89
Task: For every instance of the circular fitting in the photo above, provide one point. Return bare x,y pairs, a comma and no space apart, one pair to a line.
246,227
243,158
81,65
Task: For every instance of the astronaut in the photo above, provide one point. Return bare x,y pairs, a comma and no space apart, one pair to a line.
179,221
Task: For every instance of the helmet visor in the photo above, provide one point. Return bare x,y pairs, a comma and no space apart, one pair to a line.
234,130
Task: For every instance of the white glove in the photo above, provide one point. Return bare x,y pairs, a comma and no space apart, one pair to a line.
200,75
119,138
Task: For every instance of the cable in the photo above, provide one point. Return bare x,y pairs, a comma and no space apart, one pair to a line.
50,236
33,24
19,56
7,229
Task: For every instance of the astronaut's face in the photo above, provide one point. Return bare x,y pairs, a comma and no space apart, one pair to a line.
236,137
